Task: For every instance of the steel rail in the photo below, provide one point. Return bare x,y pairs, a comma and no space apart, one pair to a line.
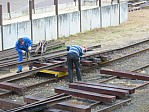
109,108
10,57
30,87
39,103
46,56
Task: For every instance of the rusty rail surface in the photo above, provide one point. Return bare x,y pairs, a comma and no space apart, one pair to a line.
101,90
126,74
31,106
85,94
115,106
130,90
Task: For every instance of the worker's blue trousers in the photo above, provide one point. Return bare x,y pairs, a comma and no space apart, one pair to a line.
73,58
20,59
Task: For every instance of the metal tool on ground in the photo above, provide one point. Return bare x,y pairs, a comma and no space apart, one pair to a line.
41,47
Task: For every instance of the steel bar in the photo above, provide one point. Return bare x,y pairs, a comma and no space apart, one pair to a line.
125,74
101,90
29,73
138,87
30,87
8,9
106,80
46,56
30,17
33,5
87,63
61,69
8,104
38,104
79,8
1,25
130,90
71,107
31,99
85,94
7,94
115,106
55,110
13,87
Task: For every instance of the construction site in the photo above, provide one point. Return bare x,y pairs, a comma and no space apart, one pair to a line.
114,67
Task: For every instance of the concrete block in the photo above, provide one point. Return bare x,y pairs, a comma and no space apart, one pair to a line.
106,16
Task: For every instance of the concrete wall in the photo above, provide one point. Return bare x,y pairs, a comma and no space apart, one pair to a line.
69,23
51,27
0,40
10,35
114,15
63,24
74,25
39,30
106,16
23,29
123,12
90,19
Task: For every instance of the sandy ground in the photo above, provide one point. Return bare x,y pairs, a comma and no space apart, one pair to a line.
134,30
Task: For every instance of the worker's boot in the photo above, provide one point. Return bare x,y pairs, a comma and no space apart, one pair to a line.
19,71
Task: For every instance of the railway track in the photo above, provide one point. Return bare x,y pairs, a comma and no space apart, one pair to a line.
108,53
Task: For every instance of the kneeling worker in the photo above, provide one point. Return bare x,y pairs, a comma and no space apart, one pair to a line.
23,45
73,57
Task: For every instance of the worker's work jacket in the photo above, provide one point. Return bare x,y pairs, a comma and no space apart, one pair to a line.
27,43
76,49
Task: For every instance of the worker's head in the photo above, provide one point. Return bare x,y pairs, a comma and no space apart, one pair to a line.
21,41
84,49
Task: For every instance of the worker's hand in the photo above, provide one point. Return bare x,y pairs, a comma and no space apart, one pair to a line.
23,51
29,48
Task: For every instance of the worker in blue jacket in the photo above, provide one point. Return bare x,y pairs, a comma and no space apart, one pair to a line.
23,45
74,55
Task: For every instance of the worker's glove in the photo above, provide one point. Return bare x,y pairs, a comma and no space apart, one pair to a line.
29,48
23,51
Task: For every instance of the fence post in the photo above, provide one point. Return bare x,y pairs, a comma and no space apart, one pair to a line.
1,24
33,6
8,9
118,1
56,12
100,14
79,7
75,2
31,18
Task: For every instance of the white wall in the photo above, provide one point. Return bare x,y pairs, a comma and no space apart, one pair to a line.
39,32
74,22
10,35
63,24
90,19
114,15
123,12
106,16
51,27
24,29
0,40
69,23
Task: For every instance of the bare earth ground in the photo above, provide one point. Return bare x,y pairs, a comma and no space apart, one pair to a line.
134,30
